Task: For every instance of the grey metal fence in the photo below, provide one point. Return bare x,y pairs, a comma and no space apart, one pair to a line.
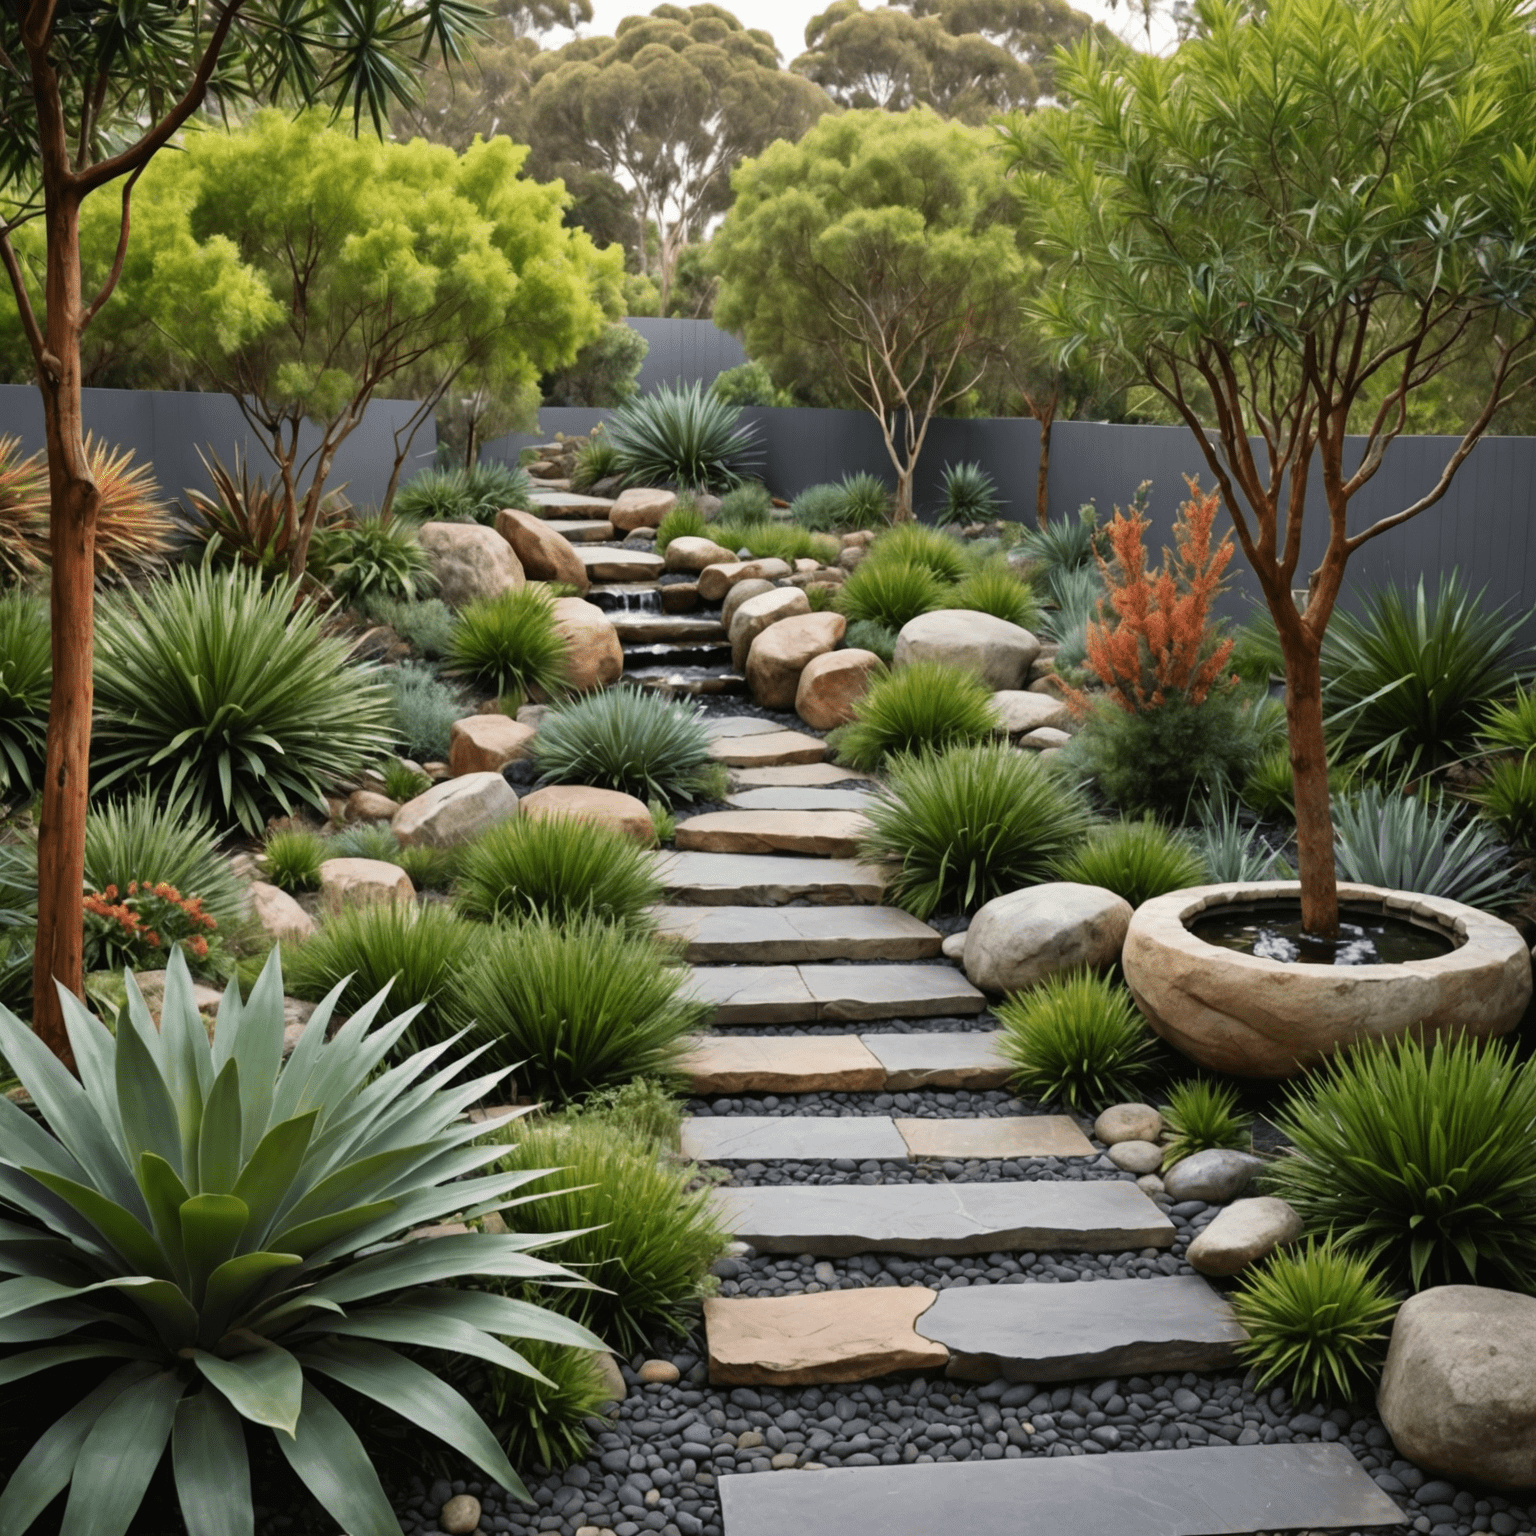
685,351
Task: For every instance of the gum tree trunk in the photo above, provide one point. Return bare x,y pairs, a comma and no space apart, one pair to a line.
1309,768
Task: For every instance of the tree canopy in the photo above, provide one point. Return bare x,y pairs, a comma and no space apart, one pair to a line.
877,263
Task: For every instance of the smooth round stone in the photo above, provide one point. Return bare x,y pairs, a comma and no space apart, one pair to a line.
1150,1184
1136,1156
1245,1232
661,1372
1215,1176
783,1460
1128,1122
954,946
460,1515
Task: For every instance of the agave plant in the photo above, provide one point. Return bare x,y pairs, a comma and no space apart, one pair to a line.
221,1231
970,494
682,437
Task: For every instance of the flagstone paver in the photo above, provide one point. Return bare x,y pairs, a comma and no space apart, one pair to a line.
581,530
997,1137
767,749
722,1064
604,562
793,799
955,1059
832,834
725,727
732,879
795,776
753,994
546,502
837,1220
781,994
747,935
790,1138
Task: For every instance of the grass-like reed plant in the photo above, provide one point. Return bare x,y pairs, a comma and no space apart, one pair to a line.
291,860
1135,859
917,544
511,645
890,593
1203,1116
627,740
995,587
26,682
924,707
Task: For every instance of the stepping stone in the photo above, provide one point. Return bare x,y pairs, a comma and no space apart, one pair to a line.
722,727
798,1064
833,1336
890,991
796,776
1204,1491
744,935
745,880
589,531
1062,1332
767,749
995,1137
658,628
605,563
752,994
832,834
568,501
800,799
838,1220
954,1060
791,1139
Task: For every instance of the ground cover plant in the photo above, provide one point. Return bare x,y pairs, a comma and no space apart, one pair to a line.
425,624
923,707
1135,859
918,544
685,437
681,521
995,587
463,496
623,739
423,709
748,502
773,540
509,643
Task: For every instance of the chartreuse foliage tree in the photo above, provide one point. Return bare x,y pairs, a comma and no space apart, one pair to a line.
1286,228
88,97
876,264
218,1229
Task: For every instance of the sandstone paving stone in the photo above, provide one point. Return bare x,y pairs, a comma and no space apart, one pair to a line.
995,1137
766,749
1062,1332
581,530
784,935
760,880
795,799
955,1059
1204,1491
722,1064
569,501
791,1138
838,1220
833,834
795,776
831,1337
605,563
890,991
724,727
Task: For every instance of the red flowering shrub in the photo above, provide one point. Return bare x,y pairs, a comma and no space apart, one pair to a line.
140,930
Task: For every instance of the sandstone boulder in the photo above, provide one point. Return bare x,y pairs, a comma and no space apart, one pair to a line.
370,805
151,985
469,562
596,658
1019,712
758,613
455,810
689,554
737,595
1242,1234
363,883
716,580
486,743
1128,1122
998,652
1214,1176
1458,1394
832,684
623,813
641,507
1023,937
779,655
282,919
544,554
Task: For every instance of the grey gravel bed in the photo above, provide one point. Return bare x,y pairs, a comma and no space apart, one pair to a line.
922,1103
844,1170
943,1025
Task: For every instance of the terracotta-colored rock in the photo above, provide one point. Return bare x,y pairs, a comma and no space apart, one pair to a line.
486,743
455,810
370,805
642,507
689,554
779,655
832,684
363,883
280,916
469,562
716,580
545,555
584,802
730,604
757,613
596,658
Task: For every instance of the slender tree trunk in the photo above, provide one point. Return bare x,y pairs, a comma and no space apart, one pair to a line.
1309,767
1047,419
903,512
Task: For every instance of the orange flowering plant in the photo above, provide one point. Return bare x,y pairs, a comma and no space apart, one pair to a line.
139,929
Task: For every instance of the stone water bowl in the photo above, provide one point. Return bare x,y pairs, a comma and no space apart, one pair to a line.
1257,1017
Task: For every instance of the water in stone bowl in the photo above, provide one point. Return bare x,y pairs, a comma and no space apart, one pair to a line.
1272,930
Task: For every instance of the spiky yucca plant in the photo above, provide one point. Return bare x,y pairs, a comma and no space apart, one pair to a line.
221,1230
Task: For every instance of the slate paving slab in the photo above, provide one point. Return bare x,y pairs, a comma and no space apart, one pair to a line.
831,834
724,727
789,1138
791,798
1062,1332
890,991
834,1336
838,1220
795,776
581,530
745,935
767,749
957,1059
605,563
996,1137
1204,1491
753,994
765,880
724,1064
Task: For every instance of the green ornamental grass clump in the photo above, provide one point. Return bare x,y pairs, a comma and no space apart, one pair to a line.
683,521
511,645
291,860
1076,1039
970,495
890,593
559,867
1135,859
190,1215
1507,800
403,783
917,544
773,541
682,436
926,706
1202,1117
962,826
208,684
866,501
749,502
366,556
995,587
638,743
26,681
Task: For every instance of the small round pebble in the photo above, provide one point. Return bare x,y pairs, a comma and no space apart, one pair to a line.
460,1515
659,1373
1136,1156
1128,1122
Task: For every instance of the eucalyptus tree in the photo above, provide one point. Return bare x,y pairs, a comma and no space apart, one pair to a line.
89,94
1306,214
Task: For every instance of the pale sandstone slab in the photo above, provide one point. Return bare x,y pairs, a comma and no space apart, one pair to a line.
690,555
748,880
605,563
455,810
837,1220
280,916
716,580
955,1059
585,802
723,727
832,834
585,530
890,991
752,994
785,935
571,501
794,799
831,1337
641,507
795,776
791,1139
766,749
995,1137
796,1064
662,628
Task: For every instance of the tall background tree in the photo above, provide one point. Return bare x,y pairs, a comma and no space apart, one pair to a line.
88,96
1289,228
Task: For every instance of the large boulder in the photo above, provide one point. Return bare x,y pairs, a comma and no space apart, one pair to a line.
1019,939
486,743
596,657
831,685
1458,1394
584,802
1242,1234
754,586
544,554
281,918
779,655
363,883
641,507
757,613
716,580
469,562
455,810
998,652
689,554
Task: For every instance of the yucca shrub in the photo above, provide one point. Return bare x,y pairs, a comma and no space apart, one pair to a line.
243,522
917,544
995,587
576,1006
209,684
890,593
1233,851
291,860
185,1197
962,826
1202,1117
1318,1321
1135,859
682,436
1076,1039
463,496
1510,724
1067,544
510,644
638,743
866,501
559,867
924,707
365,557
970,495
134,526
26,683
1418,1157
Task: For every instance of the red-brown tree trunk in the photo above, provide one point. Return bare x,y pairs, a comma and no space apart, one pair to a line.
1309,769
1043,474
